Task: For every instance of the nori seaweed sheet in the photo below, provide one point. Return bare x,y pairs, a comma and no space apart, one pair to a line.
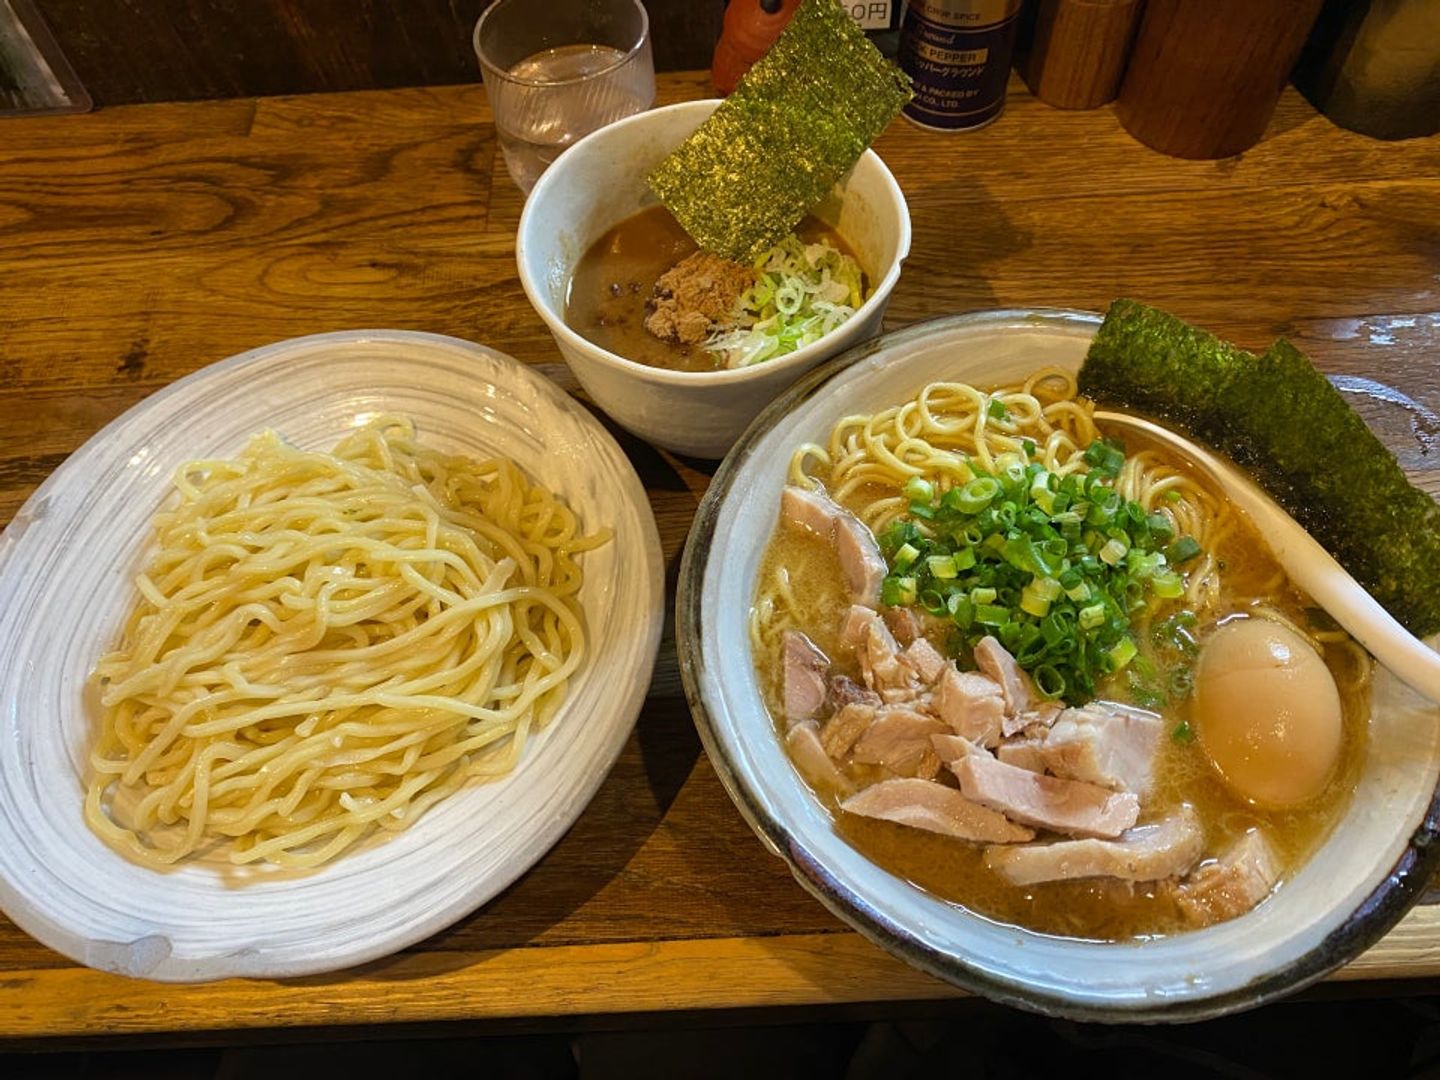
1282,420
799,119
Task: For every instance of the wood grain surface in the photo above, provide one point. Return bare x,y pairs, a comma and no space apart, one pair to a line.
145,242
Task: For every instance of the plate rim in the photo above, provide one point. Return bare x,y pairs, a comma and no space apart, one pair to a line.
35,921
1375,915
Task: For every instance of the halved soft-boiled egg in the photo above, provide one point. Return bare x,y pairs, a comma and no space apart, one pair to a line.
1267,712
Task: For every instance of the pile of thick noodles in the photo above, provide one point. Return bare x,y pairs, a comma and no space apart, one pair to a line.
327,644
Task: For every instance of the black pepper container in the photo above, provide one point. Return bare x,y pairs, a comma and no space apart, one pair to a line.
957,53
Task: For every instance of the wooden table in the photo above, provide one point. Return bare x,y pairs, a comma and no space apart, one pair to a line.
142,243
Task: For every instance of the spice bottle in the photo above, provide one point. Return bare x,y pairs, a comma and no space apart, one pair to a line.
749,29
957,54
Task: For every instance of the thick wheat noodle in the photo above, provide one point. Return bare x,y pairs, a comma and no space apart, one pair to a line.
327,644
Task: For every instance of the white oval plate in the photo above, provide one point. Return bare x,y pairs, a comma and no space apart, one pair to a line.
1353,889
66,567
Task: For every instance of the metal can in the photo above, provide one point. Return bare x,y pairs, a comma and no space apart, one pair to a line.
957,54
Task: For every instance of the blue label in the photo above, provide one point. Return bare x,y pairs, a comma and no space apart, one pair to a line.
959,64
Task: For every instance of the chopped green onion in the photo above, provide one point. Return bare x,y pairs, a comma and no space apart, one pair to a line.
997,410
977,494
1047,588
1143,564
1121,653
991,614
1105,457
1029,447
898,591
1049,681
1167,585
1182,550
942,566
1055,567
933,602
801,292
1041,493
918,489
1032,603
906,556
1183,732
1113,552
961,610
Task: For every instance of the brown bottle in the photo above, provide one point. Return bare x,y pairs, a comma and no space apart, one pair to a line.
1205,75
749,29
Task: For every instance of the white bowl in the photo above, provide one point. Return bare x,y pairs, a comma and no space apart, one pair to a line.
1375,864
599,182
67,566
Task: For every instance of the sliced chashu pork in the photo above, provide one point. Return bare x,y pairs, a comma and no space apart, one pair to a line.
1035,723
1046,802
1231,885
925,660
971,704
841,690
1166,848
994,660
803,742
855,546
925,804
1105,743
860,559
904,624
804,676
812,511
899,740
1022,753
844,729
881,663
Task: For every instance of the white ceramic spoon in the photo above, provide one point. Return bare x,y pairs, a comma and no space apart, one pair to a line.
1312,568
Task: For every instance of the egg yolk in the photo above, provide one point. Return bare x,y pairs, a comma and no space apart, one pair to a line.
1267,712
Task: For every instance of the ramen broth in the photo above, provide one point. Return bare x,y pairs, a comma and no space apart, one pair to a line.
1096,908
613,283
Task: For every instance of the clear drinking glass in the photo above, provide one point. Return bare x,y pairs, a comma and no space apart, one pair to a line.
558,69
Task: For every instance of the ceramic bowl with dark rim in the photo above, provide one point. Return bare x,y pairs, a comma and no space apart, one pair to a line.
1355,887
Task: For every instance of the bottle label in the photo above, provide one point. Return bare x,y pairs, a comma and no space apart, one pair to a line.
957,53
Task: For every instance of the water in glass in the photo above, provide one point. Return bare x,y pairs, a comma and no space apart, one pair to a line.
567,92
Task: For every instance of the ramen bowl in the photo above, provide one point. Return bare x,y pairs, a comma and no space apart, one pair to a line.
1372,867
599,182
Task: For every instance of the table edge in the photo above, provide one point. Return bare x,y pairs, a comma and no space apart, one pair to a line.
558,980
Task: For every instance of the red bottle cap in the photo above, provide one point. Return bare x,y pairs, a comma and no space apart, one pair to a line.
750,28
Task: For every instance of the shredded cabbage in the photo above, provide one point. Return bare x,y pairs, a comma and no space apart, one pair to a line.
801,292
